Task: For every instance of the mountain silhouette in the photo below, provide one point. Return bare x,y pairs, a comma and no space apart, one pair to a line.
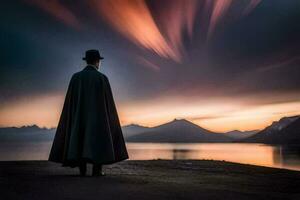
290,134
178,130
273,133
284,131
236,134
31,133
133,129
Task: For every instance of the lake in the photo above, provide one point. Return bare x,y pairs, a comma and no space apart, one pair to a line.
257,154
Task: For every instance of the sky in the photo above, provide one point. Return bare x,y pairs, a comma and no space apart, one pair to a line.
222,64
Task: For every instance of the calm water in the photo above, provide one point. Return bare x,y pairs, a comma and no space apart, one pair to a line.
257,154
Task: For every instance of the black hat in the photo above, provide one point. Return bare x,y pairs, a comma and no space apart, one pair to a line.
92,54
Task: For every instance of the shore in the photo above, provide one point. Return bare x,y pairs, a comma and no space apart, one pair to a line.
153,179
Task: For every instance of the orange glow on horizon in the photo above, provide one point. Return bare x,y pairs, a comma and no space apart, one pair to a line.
220,115
43,111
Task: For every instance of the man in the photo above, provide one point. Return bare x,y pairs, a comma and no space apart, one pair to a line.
89,130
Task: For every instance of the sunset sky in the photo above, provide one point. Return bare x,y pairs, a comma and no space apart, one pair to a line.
222,64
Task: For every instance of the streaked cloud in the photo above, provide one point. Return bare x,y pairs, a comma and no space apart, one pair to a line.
253,3
162,33
148,63
57,9
176,18
220,9
282,63
133,19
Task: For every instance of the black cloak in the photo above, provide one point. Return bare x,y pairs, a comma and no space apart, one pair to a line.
89,128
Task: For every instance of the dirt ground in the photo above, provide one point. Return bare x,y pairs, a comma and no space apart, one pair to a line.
153,179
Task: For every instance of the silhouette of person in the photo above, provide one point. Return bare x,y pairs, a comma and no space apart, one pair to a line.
89,130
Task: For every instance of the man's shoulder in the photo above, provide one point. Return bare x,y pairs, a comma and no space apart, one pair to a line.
103,75
82,73
75,75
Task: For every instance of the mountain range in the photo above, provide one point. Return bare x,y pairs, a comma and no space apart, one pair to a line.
284,131
31,133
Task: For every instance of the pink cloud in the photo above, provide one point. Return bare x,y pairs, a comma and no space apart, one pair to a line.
58,10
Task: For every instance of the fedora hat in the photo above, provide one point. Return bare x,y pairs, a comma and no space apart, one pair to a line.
92,54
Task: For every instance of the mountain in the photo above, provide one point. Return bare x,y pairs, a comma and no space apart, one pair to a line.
290,134
273,133
178,131
30,133
133,129
236,134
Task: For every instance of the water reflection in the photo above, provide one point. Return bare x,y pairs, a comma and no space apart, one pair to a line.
257,154
287,156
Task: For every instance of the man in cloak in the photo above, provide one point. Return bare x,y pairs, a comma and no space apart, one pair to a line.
89,130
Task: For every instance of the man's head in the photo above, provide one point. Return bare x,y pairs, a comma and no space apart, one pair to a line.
93,57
